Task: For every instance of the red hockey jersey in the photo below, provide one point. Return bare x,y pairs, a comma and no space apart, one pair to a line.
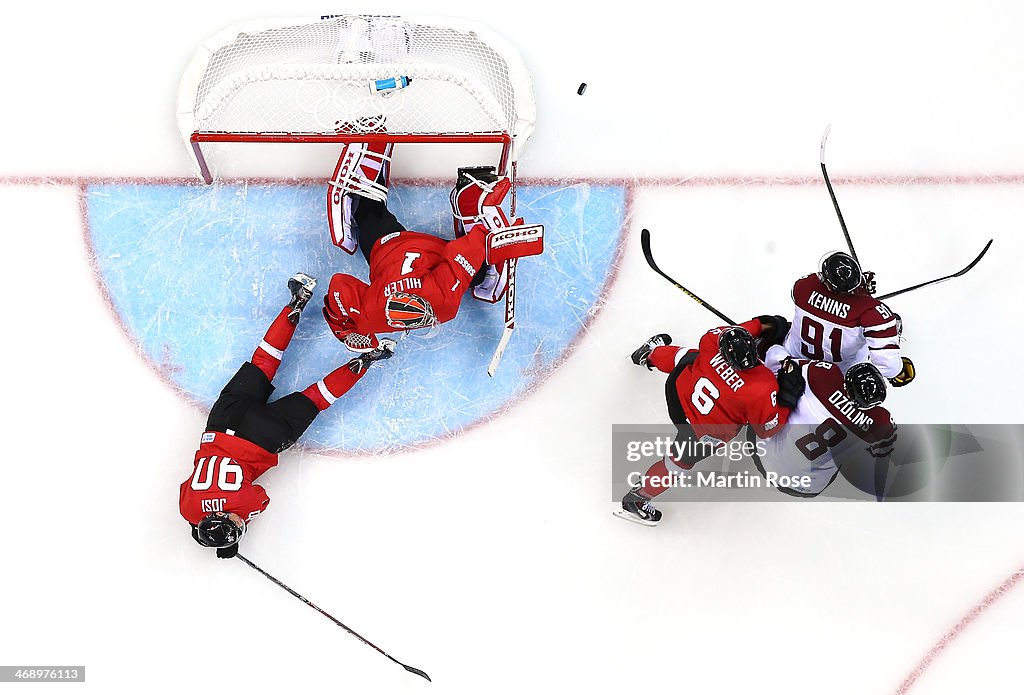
222,478
718,400
424,265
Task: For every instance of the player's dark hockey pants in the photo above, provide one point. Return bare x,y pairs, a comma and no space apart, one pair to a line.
242,410
373,221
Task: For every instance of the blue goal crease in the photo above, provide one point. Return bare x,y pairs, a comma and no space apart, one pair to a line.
197,273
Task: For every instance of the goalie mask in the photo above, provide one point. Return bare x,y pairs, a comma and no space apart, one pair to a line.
738,348
840,272
865,385
406,311
219,530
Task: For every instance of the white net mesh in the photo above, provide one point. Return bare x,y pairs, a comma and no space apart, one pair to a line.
314,78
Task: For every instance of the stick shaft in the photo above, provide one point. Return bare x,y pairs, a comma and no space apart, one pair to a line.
645,243
832,195
330,617
510,318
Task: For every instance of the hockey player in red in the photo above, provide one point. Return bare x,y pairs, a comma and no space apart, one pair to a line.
244,433
837,418
416,280
837,320
712,392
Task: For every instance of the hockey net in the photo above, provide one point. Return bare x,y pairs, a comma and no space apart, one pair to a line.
339,79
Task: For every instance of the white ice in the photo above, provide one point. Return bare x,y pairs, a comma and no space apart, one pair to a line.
492,561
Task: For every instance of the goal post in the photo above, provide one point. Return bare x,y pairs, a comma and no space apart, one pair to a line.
346,78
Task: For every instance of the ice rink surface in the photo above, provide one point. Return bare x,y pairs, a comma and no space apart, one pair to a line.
490,559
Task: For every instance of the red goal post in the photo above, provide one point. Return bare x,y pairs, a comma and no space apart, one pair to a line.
338,79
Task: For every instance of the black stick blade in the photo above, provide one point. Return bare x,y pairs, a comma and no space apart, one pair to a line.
645,244
421,674
975,261
938,280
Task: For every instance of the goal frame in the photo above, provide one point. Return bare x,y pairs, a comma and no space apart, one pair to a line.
511,140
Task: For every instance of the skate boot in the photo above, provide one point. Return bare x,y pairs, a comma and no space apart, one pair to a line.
301,286
636,507
642,354
384,351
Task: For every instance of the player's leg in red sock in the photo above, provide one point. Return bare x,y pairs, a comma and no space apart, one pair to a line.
271,349
333,386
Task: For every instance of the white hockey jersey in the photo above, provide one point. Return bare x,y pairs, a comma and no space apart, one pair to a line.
824,430
843,328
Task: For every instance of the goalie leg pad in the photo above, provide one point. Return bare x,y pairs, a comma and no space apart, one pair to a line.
477,197
363,171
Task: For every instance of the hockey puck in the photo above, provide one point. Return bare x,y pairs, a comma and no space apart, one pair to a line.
583,88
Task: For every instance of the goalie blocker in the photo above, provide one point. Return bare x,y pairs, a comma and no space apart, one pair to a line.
519,241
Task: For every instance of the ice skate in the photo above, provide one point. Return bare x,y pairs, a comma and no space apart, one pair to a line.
642,354
301,286
635,507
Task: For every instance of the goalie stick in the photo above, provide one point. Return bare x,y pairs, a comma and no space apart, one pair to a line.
510,318
942,279
832,194
410,669
645,244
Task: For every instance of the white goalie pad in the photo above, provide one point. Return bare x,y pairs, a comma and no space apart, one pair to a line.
363,170
339,218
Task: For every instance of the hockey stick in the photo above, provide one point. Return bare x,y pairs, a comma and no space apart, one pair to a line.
832,194
942,279
337,622
510,318
645,244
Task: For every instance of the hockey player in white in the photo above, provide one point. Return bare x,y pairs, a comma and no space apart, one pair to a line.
836,417
837,320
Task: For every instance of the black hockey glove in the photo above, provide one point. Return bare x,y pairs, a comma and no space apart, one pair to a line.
228,552
773,330
908,374
791,384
